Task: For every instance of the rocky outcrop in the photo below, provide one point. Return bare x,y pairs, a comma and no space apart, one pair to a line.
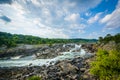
41,52
89,48
74,69
52,51
69,69
17,52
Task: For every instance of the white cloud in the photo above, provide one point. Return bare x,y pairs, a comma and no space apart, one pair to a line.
28,26
93,35
36,2
112,20
106,18
18,8
72,18
87,14
78,26
81,31
95,18
40,30
24,1
46,32
45,18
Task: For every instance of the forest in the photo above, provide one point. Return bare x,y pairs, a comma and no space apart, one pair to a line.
11,40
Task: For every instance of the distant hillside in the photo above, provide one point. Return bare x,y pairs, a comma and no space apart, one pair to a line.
11,40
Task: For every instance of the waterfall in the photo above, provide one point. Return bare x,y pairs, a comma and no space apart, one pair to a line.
77,47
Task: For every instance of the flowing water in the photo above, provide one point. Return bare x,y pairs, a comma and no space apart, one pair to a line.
31,60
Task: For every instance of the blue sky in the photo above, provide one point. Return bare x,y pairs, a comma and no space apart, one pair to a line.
60,18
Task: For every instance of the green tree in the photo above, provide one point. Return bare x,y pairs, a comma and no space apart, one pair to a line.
100,39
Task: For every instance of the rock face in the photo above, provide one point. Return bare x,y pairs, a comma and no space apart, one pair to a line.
17,52
89,48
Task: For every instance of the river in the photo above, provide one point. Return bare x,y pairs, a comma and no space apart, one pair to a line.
33,61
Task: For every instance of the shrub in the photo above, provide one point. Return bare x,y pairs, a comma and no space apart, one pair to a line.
107,65
34,78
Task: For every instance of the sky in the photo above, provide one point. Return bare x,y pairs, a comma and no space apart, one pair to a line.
60,18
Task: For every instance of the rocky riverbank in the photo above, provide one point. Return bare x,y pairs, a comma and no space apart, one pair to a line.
74,69
41,51
68,69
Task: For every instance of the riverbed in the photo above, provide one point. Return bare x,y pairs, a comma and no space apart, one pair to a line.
18,61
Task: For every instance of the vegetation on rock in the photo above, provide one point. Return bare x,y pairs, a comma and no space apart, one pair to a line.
107,62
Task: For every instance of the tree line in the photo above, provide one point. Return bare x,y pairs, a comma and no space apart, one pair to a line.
11,40
109,37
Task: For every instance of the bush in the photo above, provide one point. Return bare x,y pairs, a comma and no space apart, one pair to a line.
107,65
34,78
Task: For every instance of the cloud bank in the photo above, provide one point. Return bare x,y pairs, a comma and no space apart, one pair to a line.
112,20
53,18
